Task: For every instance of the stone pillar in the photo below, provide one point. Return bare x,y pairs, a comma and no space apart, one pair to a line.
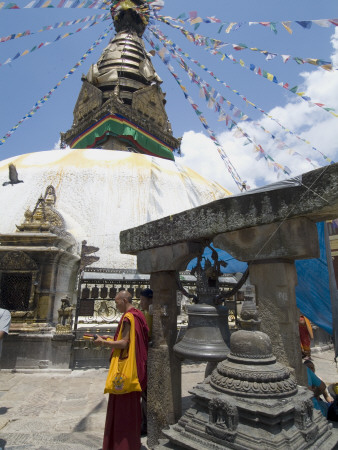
164,369
275,290
271,251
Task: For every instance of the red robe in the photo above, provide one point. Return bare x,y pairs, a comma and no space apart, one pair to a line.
123,422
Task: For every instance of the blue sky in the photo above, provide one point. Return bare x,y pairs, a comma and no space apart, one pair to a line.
27,79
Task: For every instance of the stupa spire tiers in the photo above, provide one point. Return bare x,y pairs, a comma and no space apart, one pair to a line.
121,105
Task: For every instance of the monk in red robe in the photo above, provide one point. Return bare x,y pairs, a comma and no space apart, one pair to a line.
123,421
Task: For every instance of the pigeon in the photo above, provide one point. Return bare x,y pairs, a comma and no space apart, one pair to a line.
13,176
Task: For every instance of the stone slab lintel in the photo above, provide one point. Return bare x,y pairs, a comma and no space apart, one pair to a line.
315,197
168,258
291,239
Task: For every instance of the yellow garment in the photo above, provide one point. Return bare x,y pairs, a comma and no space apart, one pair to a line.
309,327
122,376
149,320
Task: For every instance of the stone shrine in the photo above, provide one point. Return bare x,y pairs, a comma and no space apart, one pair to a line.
250,402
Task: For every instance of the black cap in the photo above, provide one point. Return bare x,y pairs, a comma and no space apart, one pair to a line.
147,293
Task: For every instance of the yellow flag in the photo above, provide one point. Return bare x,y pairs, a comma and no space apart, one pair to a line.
197,20
230,27
286,25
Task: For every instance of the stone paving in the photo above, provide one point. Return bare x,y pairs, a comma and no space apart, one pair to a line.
66,410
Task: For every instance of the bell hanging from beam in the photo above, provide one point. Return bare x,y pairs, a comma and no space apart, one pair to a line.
207,337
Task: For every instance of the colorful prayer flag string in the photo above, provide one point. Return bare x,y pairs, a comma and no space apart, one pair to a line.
68,23
211,96
258,108
192,18
256,70
45,44
96,4
47,96
231,169
214,94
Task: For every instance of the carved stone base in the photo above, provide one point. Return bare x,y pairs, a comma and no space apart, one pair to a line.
222,421
63,329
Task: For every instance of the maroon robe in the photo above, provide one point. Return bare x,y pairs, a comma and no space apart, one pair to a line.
123,422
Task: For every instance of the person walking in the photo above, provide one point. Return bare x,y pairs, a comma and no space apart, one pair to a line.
123,421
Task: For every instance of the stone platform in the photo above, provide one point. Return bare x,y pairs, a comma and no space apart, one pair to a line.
49,410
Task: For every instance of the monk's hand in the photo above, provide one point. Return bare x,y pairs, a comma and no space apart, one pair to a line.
99,340
107,337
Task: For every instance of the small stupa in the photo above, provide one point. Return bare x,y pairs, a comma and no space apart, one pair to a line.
250,402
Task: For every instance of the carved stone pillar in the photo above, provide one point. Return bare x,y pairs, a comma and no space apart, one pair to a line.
271,251
164,369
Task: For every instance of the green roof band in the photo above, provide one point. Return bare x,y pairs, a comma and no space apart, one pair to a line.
119,126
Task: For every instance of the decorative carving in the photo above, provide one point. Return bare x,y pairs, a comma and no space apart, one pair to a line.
261,387
45,218
277,373
86,257
50,196
17,261
251,369
65,316
304,414
90,98
113,106
207,283
149,101
249,319
223,419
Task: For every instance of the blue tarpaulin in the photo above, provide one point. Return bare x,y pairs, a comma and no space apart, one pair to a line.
313,289
233,265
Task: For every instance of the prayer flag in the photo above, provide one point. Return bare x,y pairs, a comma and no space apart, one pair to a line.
197,20
230,27
270,56
305,23
322,22
286,25
273,27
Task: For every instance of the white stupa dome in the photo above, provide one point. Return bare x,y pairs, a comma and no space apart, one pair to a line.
101,192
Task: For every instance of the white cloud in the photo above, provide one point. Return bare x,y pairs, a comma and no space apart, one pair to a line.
310,123
57,146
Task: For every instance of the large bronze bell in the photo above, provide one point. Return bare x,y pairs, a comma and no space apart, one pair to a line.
207,337
207,334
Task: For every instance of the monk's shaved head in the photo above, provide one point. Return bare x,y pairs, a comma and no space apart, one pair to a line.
125,295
